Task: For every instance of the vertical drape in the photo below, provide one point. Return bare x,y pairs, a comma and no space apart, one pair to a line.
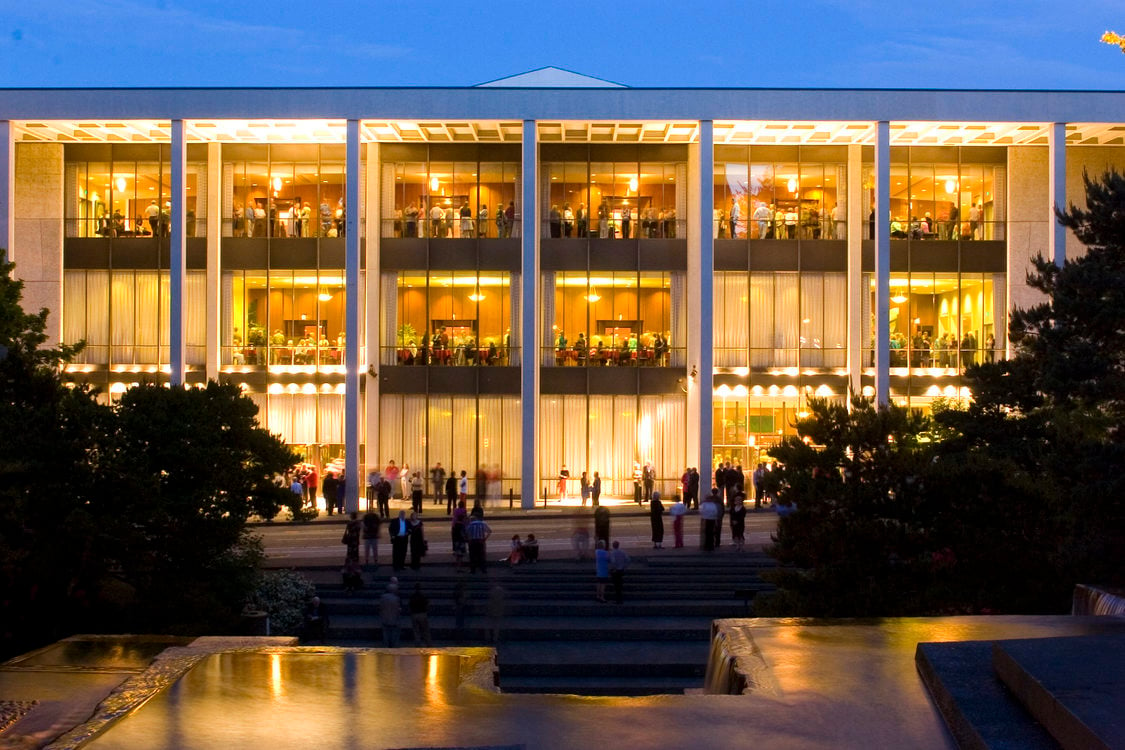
390,430
511,436
70,210
389,294
999,310
867,336
547,319
550,436
600,409
812,320
761,320
678,332
440,436
786,319
515,340
226,311
662,425
624,443
835,319
330,419
681,200
122,315
161,319
414,432
195,297
575,445
228,198
304,417
262,401
731,306
999,206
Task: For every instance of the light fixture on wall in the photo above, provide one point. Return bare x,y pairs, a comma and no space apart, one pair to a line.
324,297
593,296
898,299
434,184
792,185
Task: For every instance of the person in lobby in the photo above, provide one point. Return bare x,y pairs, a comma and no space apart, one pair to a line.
399,530
568,221
482,221
735,214
555,220
582,219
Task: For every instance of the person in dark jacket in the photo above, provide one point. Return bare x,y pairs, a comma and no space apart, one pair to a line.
656,517
417,541
601,525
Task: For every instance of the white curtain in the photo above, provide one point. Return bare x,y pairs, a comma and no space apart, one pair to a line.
226,306
262,401
999,207
575,442
304,418
624,443
164,330
678,333
330,419
511,435
550,436
439,439
387,209
390,430
835,319
547,312
867,336
195,298
601,439
70,195
662,437
413,432
731,310
999,312
515,321
74,309
761,319
389,296
681,207
464,428
86,313
228,198
122,314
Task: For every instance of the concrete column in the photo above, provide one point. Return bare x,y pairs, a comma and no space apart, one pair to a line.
351,319
7,187
37,244
373,207
1056,149
882,262
700,296
214,262
529,309
856,289
178,257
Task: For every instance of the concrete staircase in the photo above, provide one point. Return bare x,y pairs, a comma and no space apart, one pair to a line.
555,638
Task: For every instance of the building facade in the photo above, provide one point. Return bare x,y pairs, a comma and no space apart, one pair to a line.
520,276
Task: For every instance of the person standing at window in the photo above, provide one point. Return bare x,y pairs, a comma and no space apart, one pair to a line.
152,215
568,221
436,217
582,219
735,213
482,221
564,477
509,218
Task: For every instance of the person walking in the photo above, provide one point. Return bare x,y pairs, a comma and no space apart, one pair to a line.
399,530
601,571
601,525
420,617
417,541
656,519
678,511
372,525
618,562
389,610
478,532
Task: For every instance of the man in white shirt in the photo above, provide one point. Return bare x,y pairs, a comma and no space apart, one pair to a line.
436,217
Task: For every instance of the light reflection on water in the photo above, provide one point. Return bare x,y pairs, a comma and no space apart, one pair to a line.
292,700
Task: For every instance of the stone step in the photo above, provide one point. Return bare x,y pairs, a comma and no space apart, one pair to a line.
550,655
586,607
609,628
577,590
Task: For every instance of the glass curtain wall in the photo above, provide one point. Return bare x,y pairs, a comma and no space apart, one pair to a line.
941,322
283,190
780,192
468,196
607,434
284,319
479,435
442,318
124,191
769,320
614,318
946,193
614,199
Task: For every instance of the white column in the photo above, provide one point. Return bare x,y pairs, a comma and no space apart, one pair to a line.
214,263
373,207
178,257
7,186
882,262
700,297
856,289
351,319
1056,150
529,308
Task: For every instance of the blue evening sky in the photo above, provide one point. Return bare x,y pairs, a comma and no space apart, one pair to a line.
1042,44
